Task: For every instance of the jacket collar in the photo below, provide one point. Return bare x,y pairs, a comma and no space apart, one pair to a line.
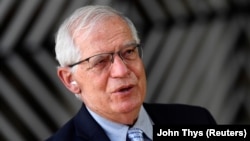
87,128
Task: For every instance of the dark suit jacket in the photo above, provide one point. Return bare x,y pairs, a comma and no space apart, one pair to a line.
83,127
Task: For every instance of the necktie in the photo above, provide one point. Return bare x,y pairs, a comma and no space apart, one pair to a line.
135,134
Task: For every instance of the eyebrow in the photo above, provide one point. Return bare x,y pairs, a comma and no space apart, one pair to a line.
124,45
130,43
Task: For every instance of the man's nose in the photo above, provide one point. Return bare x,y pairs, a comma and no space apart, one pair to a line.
119,67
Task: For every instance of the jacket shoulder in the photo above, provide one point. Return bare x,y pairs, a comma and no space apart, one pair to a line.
179,114
81,127
66,132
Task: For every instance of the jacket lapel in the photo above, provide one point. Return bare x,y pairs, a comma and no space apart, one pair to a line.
87,128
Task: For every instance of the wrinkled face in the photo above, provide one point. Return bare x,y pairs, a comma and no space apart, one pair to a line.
121,88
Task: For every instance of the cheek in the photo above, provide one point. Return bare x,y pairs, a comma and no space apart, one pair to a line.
93,93
94,87
90,81
139,71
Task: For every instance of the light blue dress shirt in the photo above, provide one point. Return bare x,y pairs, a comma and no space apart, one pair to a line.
118,132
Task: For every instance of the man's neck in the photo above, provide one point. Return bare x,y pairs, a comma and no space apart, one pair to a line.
127,118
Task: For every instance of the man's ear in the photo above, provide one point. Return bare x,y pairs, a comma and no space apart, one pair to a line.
66,77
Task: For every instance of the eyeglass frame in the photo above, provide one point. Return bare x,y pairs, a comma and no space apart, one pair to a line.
140,53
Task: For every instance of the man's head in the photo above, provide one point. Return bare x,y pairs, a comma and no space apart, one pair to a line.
98,50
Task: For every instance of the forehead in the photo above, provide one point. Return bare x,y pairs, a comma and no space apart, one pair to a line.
105,35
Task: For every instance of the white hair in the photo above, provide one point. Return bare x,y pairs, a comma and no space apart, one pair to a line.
83,18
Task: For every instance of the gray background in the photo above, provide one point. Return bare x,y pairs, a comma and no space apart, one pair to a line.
195,52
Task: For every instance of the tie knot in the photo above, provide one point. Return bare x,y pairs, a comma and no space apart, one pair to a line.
135,134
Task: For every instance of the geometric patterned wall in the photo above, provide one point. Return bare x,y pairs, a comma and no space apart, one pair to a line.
195,52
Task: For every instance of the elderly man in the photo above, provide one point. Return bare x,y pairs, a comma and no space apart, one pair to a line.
100,62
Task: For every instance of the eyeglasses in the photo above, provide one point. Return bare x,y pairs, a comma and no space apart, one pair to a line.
101,61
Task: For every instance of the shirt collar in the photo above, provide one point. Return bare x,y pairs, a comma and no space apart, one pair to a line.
144,123
118,132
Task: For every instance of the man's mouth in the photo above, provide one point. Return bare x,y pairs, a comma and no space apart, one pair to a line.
124,89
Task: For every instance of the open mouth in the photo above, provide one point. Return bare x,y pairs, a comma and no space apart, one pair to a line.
124,89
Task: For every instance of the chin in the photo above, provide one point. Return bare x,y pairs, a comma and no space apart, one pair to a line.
127,107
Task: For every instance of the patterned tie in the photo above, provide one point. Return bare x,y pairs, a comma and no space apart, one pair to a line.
135,134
